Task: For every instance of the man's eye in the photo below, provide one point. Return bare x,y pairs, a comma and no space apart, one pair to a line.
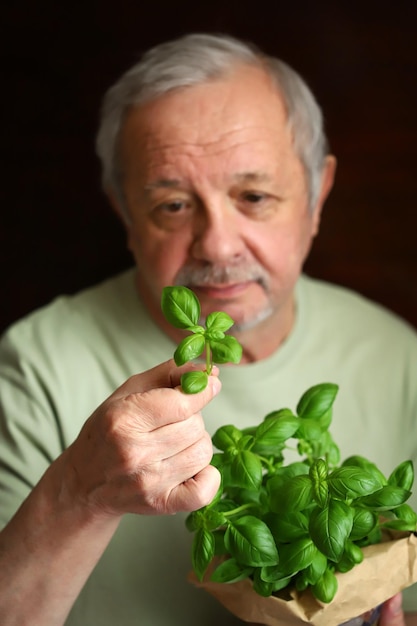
253,197
173,207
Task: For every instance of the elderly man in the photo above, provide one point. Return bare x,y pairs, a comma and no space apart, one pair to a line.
215,159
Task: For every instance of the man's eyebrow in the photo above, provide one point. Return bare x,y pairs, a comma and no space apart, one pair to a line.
163,183
252,177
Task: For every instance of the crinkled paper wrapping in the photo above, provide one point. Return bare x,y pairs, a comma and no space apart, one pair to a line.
386,569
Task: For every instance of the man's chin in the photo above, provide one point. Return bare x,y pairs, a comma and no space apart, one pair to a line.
247,322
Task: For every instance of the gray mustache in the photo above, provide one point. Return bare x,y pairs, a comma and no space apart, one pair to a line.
223,275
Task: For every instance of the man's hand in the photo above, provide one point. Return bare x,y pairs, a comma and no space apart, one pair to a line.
145,450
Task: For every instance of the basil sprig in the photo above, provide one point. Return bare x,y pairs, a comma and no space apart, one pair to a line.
182,309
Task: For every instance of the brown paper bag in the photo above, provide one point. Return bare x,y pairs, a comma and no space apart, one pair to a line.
386,569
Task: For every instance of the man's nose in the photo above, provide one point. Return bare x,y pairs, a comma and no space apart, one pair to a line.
218,235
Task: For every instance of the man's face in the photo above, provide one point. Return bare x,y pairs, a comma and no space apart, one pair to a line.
217,198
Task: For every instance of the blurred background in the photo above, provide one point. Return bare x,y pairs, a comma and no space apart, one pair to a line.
57,232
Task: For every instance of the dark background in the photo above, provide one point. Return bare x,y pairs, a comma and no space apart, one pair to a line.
57,233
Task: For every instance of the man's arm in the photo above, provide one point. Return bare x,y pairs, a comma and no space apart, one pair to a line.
144,451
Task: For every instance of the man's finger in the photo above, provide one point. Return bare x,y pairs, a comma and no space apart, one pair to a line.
196,492
392,613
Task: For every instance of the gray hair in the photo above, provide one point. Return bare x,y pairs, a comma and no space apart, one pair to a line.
194,59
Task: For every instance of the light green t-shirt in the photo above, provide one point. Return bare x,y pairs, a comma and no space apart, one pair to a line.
58,364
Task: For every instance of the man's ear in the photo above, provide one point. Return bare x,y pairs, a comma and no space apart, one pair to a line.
327,180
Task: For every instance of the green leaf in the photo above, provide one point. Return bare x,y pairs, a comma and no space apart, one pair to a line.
246,470
309,429
368,466
385,499
317,400
297,555
285,472
272,433
364,522
250,542
193,382
180,306
230,571
294,495
261,587
330,528
352,482
281,583
287,525
190,348
213,518
406,513
402,476
318,475
400,525
326,587
219,321
202,551
226,437
195,520
353,552
316,568
226,350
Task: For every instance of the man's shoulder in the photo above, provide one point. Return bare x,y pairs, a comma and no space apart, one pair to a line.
348,309
74,317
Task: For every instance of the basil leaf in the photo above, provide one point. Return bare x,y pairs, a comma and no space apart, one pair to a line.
193,382
246,470
226,350
353,552
287,525
282,474
318,475
368,466
317,400
348,482
202,551
406,513
326,587
219,321
226,437
294,495
400,525
230,571
261,587
330,527
190,348
297,555
274,431
385,499
316,568
364,522
250,541
180,306
402,476
309,429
